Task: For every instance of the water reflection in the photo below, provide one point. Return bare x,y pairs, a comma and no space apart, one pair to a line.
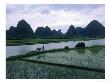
93,51
80,51
96,50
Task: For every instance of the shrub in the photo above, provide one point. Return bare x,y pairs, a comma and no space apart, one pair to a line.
80,45
66,47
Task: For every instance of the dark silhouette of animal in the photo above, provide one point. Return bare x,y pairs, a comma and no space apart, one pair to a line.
80,45
38,49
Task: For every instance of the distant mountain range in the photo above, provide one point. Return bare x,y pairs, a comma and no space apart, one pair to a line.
24,31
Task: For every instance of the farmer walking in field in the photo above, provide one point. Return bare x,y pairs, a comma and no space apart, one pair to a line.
43,47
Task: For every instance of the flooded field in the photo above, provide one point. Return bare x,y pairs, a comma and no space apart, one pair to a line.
61,64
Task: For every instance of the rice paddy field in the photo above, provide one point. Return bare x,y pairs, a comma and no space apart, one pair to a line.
85,63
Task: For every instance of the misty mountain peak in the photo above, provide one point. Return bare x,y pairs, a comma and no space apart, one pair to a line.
95,23
24,30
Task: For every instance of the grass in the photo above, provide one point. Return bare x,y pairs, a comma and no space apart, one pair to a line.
44,41
77,57
33,41
59,63
27,70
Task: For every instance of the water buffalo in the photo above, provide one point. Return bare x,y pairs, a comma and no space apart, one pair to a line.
38,49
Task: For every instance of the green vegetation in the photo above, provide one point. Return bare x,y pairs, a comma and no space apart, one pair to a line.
74,57
45,41
59,63
33,41
27,70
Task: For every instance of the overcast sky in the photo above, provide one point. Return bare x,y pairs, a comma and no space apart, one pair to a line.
57,16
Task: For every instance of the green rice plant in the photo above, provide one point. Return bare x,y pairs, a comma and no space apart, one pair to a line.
27,70
58,64
74,57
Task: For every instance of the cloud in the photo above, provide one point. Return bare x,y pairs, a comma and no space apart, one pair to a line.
55,14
